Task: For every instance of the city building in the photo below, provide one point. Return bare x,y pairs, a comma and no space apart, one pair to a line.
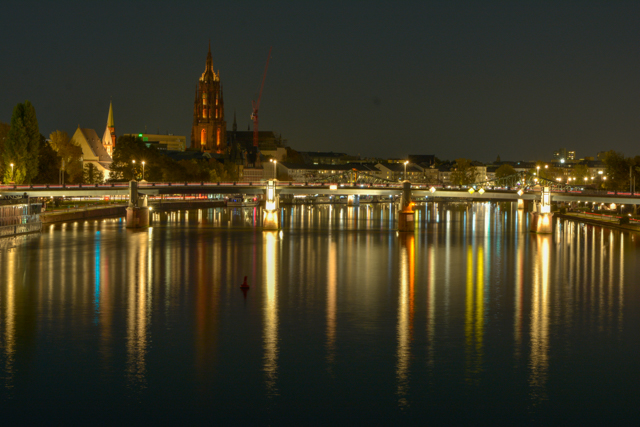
208,132
163,142
396,171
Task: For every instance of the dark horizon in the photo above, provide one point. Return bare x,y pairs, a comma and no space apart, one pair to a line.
454,80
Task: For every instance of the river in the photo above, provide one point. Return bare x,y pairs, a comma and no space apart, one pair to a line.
471,319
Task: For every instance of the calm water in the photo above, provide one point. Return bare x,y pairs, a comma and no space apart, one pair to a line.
470,319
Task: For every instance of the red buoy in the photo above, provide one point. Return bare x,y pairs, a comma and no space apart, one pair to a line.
244,285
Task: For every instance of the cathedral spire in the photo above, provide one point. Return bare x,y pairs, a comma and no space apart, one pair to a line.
110,122
209,60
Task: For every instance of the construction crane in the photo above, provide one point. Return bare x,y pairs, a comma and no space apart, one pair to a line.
256,104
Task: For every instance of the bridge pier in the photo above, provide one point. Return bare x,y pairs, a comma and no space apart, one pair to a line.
406,217
137,211
270,218
541,218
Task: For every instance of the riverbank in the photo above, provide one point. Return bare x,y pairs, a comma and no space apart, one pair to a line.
608,221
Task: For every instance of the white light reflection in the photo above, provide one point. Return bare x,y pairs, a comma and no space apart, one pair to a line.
540,321
138,312
270,329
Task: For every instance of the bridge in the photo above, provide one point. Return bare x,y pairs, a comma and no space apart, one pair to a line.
568,194
138,193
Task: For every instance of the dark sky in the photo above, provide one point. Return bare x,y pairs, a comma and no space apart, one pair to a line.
455,79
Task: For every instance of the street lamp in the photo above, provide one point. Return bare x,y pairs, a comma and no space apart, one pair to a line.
274,161
134,169
143,170
11,172
538,170
405,170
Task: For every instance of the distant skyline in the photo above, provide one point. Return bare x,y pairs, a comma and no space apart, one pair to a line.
387,79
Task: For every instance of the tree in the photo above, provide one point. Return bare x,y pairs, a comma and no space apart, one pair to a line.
70,155
580,172
48,164
91,174
22,145
465,172
505,170
617,170
4,130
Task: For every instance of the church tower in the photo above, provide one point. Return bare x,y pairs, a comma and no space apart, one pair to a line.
109,137
209,129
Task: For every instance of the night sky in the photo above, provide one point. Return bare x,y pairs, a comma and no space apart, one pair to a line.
454,79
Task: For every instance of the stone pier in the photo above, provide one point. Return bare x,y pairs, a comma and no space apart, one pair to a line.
406,216
137,211
271,215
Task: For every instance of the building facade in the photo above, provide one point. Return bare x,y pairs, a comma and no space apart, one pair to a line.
208,133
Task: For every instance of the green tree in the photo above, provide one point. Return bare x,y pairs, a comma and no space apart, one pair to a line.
22,145
129,148
4,130
91,174
617,170
464,173
70,155
48,164
580,172
505,170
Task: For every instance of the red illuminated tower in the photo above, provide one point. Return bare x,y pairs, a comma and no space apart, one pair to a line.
209,129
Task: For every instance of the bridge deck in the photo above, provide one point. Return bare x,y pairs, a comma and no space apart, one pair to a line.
253,188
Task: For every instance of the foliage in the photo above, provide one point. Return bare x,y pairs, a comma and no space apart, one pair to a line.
4,130
465,172
48,164
580,172
505,170
22,145
617,170
70,155
129,148
91,174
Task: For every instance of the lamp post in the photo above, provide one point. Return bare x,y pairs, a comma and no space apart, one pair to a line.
11,172
538,170
134,169
274,167
405,170
143,170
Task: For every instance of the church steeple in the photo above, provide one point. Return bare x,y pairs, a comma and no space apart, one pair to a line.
110,118
109,137
209,60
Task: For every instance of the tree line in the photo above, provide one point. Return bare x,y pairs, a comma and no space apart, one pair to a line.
37,160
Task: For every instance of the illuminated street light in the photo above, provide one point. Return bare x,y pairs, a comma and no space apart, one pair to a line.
143,170
274,161
11,172
405,169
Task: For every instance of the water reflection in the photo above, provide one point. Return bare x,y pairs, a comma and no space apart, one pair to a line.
139,298
406,311
539,357
270,309
481,305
